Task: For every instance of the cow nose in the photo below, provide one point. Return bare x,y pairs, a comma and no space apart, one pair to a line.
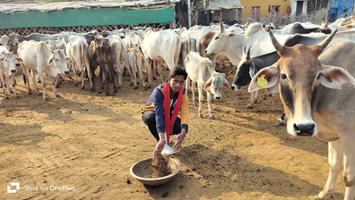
232,87
205,50
66,72
218,98
304,129
13,70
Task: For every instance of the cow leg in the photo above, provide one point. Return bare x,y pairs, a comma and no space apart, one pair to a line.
335,161
82,79
140,71
75,75
200,99
187,84
349,166
34,81
193,89
13,85
41,78
27,77
253,98
209,98
3,80
149,72
54,87
88,71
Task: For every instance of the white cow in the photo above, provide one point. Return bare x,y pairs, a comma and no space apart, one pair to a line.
120,56
231,44
77,52
7,70
161,46
38,58
200,70
136,65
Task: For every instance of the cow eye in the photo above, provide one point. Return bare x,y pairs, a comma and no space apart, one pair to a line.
216,38
283,76
57,60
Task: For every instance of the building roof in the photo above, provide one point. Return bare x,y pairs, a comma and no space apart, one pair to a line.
223,4
19,6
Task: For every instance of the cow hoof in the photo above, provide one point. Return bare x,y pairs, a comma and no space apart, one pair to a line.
82,88
200,115
249,106
29,93
58,96
211,116
154,79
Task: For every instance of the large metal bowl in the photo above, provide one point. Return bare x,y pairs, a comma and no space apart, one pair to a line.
141,170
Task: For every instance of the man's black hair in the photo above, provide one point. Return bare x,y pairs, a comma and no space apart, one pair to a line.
178,71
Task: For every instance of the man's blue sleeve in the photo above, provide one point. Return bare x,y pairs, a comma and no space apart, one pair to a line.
158,99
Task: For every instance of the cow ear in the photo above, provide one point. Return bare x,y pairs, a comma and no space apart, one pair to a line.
207,85
18,59
50,60
335,77
265,78
226,84
252,70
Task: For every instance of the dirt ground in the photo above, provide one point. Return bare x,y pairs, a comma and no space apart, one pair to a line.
82,145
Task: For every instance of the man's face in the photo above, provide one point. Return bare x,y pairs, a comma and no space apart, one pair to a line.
176,83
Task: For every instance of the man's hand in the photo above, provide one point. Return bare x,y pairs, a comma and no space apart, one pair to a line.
158,148
180,138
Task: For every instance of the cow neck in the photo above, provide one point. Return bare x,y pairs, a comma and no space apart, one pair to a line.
232,53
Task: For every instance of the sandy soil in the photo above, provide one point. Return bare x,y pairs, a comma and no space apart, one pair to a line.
87,142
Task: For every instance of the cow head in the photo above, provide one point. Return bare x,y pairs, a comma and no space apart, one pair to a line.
298,73
245,71
215,85
9,62
220,40
58,63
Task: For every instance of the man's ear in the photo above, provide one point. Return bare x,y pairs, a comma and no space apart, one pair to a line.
265,78
207,85
335,77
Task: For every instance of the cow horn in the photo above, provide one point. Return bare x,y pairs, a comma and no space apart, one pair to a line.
248,53
323,44
221,26
276,44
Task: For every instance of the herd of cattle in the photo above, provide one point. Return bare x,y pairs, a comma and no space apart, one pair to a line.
311,66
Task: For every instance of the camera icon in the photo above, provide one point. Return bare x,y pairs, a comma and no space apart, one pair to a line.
12,187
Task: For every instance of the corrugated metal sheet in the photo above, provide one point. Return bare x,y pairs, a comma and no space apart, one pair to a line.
45,7
223,4
87,17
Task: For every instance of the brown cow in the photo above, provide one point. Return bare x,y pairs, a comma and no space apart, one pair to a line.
318,100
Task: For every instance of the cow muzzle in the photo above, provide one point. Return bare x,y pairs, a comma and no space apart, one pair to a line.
13,71
304,129
66,72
